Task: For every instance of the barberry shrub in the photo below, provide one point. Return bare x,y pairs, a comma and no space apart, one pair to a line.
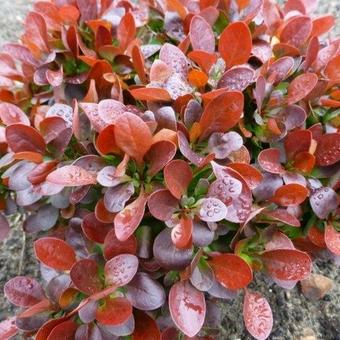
162,152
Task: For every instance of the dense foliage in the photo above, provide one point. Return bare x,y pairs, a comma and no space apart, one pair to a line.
162,152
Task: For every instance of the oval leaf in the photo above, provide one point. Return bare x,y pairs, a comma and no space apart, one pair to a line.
54,253
332,239
257,315
145,293
177,176
290,195
287,264
231,271
121,269
21,138
187,307
23,291
201,35
70,176
235,44
133,136
128,220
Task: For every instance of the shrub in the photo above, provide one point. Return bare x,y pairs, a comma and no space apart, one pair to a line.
163,152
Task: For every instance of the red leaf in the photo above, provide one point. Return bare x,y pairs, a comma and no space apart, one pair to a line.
126,31
145,327
311,53
328,149
287,264
322,25
203,59
85,276
332,69
151,94
54,253
317,237
65,330
40,172
304,161
133,136
181,233
159,155
290,195
231,271
52,127
201,35
138,63
114,247
177,177
128,220
102,214
296,31
36,31
114,311
95,230
297,141
162,204
12,114
70,176
269,160
47,327
301,86
106,142
257,315
332,239
251,175
187,307
121,269
23,291
21,137
235,44
50,13
222,113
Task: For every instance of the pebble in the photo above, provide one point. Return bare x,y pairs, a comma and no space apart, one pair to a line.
316,286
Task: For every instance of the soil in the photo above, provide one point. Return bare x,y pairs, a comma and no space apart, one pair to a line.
296,318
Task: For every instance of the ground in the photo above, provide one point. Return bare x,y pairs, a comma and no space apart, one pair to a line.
296,318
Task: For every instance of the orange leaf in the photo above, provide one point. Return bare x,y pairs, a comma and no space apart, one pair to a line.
290,195
126,31
304,161
34,157
235,44
222,113
151,94
138,63
133,136
197,78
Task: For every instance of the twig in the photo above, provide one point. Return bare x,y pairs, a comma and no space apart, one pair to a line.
23,250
